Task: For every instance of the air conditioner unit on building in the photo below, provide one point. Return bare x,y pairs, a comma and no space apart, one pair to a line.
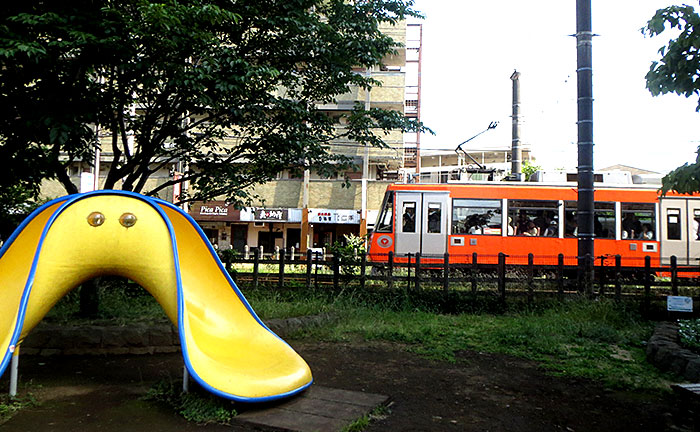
259,224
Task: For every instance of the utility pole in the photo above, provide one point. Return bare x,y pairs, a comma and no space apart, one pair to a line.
516,149
585,207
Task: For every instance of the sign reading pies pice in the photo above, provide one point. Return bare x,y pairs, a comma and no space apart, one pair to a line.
213,210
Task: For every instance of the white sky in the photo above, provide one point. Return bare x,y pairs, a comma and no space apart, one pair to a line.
471,48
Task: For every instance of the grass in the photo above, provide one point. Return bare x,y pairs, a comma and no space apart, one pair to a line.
10,406
600,340
363,422
195,406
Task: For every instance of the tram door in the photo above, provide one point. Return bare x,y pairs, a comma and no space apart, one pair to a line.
680,237
694,231
409,208
421,222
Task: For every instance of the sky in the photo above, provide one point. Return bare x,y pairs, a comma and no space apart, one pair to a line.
471,48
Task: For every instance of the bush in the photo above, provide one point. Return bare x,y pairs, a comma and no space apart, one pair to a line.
689,331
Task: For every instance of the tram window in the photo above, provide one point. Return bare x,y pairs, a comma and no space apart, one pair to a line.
408,216
533,218
603,221
476,216
638,221
696,224
434,218
385,222
673,224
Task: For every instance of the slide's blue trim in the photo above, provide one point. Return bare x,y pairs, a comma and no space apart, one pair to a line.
241,297
155,204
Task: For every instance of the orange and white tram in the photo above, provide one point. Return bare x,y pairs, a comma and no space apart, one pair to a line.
632,221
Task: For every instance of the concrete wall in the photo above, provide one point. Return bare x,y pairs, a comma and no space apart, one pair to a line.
330,194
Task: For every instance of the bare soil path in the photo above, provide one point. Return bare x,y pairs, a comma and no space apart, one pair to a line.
480,392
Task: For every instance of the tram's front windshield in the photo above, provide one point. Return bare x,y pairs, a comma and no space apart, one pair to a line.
385,221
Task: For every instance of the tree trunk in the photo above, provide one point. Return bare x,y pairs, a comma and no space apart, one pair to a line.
89,299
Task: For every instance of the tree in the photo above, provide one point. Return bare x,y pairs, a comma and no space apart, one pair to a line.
677,71
227,90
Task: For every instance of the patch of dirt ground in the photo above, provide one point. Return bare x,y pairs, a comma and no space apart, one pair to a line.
480,392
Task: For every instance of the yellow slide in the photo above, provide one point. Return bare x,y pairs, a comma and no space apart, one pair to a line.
226,348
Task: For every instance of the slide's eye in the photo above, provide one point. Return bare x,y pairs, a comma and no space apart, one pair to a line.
127,220
96,219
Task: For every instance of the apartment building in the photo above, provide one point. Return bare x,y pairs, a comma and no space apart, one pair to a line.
307,211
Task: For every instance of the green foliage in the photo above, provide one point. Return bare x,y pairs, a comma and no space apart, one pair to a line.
689,332
120,301
10,406
529,169
195,406
350,247
247,73
678,67
349,250
16,202
677,71
684,179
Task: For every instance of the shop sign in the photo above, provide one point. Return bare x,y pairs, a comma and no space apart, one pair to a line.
214,211
334,216
273,215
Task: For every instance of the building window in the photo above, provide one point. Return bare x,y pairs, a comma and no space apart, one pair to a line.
476,216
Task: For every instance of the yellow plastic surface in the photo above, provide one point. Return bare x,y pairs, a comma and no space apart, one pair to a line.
225,347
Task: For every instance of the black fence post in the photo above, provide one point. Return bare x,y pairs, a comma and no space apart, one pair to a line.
446,274
560,276
618,283
229,259
603,277
408,275
417,286
336,272
674,275
473,270
309,259
590,267
502,275
280,279
363,270
647,284
256,268
317,257
390,274
530,276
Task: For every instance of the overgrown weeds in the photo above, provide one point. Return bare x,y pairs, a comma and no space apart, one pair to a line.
10,406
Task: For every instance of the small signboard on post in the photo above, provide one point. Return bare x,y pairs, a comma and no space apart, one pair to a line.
679,304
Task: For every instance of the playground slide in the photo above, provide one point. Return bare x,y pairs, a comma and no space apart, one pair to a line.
226,348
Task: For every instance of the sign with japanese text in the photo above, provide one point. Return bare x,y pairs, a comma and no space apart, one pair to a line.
272,215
